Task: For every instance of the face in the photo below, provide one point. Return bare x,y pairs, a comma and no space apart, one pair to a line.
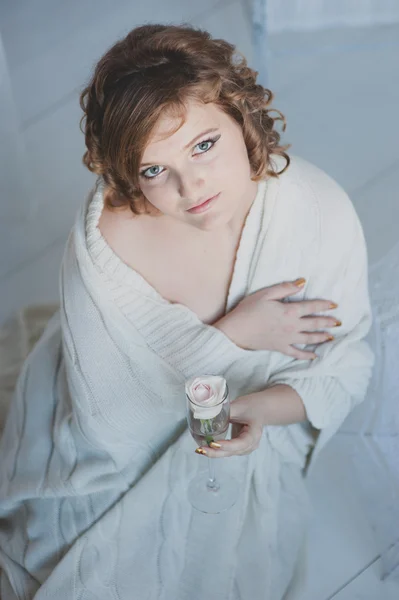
206,157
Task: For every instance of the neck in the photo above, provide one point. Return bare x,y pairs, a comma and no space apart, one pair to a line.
235,225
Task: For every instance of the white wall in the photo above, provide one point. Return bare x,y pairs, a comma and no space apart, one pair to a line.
12,155
298,15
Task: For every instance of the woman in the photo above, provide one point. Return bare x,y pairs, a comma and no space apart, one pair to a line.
182,262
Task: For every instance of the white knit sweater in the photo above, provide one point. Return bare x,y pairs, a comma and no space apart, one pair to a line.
96,453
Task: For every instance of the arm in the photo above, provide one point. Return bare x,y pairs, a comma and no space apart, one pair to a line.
334,383
263,321
281,405
338,379
325,390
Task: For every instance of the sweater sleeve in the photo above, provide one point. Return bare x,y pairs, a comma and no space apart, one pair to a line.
332,384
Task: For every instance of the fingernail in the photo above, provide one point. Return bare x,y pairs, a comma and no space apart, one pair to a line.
215,445
300,282
200,451
333,305
330,337
338,323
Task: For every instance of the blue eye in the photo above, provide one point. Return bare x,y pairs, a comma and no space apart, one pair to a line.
204,142
150,177
149,170
209,141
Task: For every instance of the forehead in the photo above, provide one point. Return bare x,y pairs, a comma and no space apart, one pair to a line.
197,117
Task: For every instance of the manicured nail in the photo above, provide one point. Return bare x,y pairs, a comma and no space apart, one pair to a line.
338,324
300,282
333,305
200,451
215,445
330,337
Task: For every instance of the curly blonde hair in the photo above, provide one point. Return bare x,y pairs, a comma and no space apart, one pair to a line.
153,70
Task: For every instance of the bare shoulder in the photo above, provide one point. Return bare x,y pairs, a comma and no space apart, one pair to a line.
110,222
123,231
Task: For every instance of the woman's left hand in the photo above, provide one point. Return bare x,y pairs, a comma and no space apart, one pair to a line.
247,417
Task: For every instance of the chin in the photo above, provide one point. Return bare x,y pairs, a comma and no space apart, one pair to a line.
213,222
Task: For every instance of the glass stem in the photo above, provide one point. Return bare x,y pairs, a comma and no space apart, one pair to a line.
212,484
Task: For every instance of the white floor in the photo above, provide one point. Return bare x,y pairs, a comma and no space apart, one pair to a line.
339,90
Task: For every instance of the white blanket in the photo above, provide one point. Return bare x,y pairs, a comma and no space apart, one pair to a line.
96,453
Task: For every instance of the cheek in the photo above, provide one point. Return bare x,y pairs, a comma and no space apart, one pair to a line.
235,157
159,198
233,171
152,192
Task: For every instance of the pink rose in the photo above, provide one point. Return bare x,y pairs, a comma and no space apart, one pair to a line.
206,395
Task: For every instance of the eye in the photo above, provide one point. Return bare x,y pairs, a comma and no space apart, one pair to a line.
152,175
209,141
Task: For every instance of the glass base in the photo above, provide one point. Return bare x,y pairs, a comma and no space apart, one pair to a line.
212,500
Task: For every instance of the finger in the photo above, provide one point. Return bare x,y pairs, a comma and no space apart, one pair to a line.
314,323
244,443
236,429
314,338
282,290
309,307
300,354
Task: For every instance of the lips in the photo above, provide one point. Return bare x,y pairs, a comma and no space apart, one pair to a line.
203,206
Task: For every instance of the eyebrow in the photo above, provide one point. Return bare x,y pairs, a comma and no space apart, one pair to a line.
187,145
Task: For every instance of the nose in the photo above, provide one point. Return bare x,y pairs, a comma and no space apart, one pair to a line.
192,186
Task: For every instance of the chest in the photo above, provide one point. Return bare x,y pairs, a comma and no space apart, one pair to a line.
194,272
197,278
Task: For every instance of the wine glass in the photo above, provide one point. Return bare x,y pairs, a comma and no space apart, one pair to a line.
210,494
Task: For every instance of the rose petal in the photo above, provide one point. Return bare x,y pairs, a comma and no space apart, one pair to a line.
202,392
207,391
